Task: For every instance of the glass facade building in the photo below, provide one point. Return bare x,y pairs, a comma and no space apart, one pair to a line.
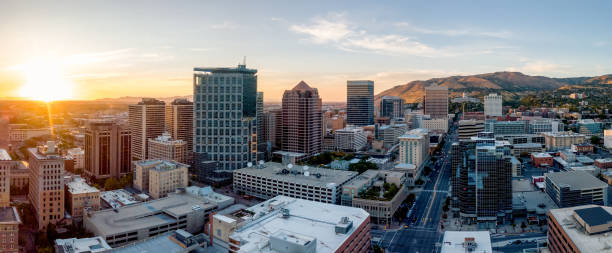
225,117
360,103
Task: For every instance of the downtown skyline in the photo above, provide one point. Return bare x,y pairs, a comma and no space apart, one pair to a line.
114,49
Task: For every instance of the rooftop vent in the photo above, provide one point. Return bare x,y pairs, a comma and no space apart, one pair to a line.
469,243
285,212
344,225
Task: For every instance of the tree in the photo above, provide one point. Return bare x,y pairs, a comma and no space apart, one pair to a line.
362,166
111,184
426,170
595,140
126,180
523,225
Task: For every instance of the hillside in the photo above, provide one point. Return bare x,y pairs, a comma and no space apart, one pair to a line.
506,83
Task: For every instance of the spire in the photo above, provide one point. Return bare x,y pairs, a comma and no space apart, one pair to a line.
302,86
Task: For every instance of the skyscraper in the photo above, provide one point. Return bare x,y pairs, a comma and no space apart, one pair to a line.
179,123
46,184
493,105
146,120
436,101
301,120
360,102
261,142
392,107
481,177
225,117
107,150
269,129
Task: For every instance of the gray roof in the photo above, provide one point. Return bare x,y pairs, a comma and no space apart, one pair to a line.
576,180
594,216
275,171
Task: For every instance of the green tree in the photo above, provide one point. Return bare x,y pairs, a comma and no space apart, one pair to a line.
362,166
111,184
595,140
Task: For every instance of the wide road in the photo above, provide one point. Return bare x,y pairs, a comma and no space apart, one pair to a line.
423,232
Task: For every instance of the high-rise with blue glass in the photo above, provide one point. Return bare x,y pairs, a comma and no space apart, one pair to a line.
225,119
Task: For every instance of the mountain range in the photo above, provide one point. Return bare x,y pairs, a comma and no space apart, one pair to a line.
506,83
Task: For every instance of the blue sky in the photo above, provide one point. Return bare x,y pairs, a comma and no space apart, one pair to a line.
148,48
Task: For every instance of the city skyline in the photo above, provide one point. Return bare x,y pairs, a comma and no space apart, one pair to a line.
50,54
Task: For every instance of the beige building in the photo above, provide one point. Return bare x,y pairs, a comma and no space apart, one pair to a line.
9,230
159,177
6,165
20,132
107,150
146,121
20,175
414,147
78,156
46,184
165,148
436,101
179,123
435,124
80,195
364,191
562,140
470,128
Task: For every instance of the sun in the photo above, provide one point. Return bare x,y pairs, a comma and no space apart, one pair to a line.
45,81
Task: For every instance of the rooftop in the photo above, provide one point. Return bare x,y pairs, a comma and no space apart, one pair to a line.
165,138
147,214
82,245
78,185
315,176
541,155
577,180
457,241
562,134
4,156
239,69
594,216
118,198
160,164
9,215
583,241
309,220
167,242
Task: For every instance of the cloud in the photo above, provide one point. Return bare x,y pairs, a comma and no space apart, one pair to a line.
226,25
334,29
199,49
600,43
541,67
455,32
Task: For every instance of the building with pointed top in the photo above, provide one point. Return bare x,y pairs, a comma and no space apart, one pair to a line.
301,120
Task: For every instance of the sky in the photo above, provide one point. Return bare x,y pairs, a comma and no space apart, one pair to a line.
107,49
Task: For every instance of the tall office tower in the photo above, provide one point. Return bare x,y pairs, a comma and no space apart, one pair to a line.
146,120
392,107
493,105
302,120
436,101
164,147
360,102
261,142
46,184
225,118
179,123
414,147
481,177
108,147
269,129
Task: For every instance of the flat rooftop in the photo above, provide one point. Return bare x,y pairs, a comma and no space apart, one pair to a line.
160,164
281,172
583,241
78,185
162,243
82,245
541,155
576,180
146,214
4,156
594,216
453,241
118,198
306,219
362,179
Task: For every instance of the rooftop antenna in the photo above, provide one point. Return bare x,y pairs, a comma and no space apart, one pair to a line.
244,60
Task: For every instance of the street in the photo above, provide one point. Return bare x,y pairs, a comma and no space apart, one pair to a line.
423,233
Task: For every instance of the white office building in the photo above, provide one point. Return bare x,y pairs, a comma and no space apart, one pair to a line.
493,105
350,138
414,147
